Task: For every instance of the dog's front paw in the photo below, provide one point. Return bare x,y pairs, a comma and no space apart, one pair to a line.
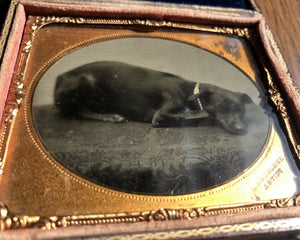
113,118
157,119
155,124
118,119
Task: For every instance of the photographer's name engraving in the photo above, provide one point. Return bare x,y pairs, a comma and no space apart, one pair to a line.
270,175
273,178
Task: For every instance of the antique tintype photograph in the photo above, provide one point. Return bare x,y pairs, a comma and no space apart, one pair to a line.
150,116
145,119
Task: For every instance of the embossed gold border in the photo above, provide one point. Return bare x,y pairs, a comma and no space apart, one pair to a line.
10,220
187,7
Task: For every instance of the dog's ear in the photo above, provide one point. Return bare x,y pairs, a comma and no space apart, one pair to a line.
245,98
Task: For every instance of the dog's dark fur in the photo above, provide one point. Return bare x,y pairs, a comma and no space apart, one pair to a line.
115,91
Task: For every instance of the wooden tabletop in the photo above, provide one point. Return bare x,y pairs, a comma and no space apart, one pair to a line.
283,17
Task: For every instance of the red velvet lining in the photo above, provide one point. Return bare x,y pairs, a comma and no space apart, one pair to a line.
290,91
141,10
11,54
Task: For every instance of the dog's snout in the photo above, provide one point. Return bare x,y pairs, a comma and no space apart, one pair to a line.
234,124
239,129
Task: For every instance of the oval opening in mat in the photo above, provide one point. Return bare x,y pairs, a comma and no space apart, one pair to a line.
201,150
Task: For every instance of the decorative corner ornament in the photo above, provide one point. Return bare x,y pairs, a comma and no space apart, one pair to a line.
11,221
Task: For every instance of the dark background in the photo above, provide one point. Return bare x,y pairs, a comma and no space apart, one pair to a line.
4,4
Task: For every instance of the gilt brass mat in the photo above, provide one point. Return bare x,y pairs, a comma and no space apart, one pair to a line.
35,183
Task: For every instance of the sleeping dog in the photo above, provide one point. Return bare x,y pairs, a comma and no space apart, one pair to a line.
115,91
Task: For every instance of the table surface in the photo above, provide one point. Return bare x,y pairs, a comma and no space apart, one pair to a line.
284,21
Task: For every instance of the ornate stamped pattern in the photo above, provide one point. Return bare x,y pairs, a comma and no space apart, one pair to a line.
10,221
286,202
241,32
17,88
171,214
276,96
280,104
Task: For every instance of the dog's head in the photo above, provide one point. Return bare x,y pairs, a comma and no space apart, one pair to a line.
71,90
226,107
